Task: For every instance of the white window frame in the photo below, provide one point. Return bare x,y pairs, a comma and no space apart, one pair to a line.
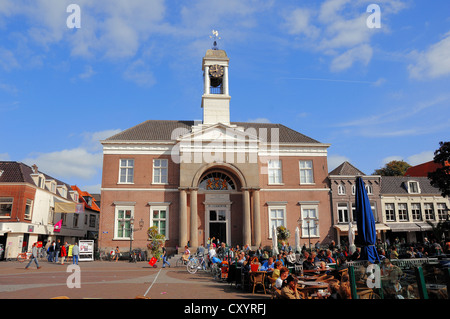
29,203
281,220
442,211
127,168
160,168
411,189
7,201
428,207
309,179
343,215
304,219
117,221
159,207
389,212
402,209
341,189
369,189
274,171
416,211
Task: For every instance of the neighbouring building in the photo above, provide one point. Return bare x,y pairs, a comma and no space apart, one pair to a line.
216,178
343,187
409,204
31,203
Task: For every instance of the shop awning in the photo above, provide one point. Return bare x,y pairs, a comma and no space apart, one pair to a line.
400,227
343,228
61,207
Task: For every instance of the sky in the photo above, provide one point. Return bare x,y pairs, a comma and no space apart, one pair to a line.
370,78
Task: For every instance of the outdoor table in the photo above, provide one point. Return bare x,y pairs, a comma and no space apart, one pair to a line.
313,284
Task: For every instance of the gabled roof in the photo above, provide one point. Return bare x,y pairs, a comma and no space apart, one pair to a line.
396,185
18,172
161,130
346,169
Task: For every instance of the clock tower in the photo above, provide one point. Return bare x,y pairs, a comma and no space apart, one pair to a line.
215,98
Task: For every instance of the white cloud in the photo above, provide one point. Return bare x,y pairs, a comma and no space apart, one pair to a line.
432,63
420,158
362,53
412,160
336,160
92,189
69,163
259,120
343,30
4,157
91,140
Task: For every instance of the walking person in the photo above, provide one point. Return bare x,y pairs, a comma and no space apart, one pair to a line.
75,253
164,256
33,257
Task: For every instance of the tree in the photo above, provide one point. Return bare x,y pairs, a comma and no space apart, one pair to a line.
393,168
440,178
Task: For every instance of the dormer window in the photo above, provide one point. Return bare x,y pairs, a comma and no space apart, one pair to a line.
413,187
62,190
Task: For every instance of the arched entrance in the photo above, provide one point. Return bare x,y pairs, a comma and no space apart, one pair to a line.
217,185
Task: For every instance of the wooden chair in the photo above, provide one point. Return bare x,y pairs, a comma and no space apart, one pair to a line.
257,278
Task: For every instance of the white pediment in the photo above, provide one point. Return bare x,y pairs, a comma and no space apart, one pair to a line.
219,133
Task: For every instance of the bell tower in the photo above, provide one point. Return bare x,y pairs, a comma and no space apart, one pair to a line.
216,97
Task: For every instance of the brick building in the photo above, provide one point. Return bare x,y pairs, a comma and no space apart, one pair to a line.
215,178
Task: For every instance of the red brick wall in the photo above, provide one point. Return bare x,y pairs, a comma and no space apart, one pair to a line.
20,193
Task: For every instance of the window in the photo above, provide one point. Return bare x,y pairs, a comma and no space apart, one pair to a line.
274,171
75,220
429,211
442,211
389,212
413,187
341,189
159,218
92,220
277,217
310,221
123,222
6,204
126,171
416,212
353,189
342,213
402,212
28,209
160,171
369,189
306,172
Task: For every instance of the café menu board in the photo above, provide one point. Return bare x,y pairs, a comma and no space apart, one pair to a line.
86,250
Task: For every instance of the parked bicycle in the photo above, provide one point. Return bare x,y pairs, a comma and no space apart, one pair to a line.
196,263
21,257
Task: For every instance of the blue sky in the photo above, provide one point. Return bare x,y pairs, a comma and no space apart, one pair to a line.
374,94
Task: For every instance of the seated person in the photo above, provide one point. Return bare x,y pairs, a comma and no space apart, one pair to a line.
291,259
186,253
281,280
269,265
308,264
290,290
276,270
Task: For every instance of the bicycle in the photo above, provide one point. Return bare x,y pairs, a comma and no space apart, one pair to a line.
21,257
196,263
180,262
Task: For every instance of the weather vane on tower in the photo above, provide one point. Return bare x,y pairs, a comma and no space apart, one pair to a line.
215,36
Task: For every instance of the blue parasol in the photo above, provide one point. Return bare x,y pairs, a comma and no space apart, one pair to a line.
365,222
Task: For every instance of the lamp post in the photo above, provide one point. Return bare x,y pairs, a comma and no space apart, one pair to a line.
131,220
